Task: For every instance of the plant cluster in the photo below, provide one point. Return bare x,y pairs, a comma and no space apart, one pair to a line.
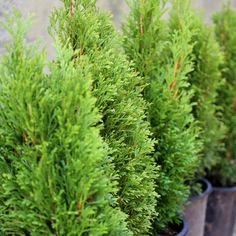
108,138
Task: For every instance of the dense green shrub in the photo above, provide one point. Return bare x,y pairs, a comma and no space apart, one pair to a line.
205,80
225,21
118,91
51,154
165,61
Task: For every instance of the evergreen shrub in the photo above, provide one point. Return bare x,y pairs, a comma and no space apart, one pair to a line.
225,21
164,59
117,89
205,80
51,154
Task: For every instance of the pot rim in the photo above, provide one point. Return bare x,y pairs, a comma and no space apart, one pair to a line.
206,192
225,189
185,228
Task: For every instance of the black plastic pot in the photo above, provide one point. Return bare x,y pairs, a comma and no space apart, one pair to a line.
195,210
221,212
184,227
181,229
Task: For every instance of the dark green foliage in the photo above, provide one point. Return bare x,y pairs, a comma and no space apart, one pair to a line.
51,154
225,21
118,91
205,80
165,61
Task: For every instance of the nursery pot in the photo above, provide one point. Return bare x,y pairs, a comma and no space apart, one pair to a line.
183,228
195,210
176,230
221,212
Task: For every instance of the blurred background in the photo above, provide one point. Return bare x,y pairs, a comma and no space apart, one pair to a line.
42,10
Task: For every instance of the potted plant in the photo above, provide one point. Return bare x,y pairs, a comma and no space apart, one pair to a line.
164,59
55,179
117,88
221,209
205,80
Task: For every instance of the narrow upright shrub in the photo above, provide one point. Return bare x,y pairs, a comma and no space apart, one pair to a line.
225,21
205,80
51,155
164,60
118,91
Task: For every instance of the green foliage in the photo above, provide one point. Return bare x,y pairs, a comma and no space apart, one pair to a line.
118,91
165,61
51,154
225,21
205,80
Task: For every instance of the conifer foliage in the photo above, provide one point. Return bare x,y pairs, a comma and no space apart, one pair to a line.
51,154
165,61
118,91
205,80
225,21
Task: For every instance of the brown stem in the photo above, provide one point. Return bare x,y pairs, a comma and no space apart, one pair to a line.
176,94
172,85
177,67
142,20
141,26
25,135
71,8
81,52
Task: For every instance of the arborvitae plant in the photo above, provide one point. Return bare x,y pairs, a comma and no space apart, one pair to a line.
118,91
51,155
165,61
225,21
205,80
